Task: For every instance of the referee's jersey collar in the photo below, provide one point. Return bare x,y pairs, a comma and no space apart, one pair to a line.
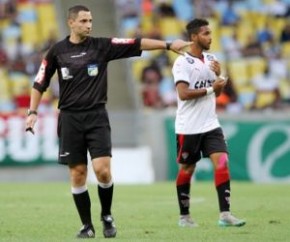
78,44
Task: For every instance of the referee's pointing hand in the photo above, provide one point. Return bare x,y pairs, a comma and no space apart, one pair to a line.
179,45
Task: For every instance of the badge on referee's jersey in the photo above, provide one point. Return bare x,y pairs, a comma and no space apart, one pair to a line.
65,73
93,70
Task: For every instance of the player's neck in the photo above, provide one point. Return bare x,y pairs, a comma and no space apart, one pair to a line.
196,53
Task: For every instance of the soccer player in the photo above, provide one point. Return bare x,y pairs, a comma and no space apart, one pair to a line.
198,131
83,126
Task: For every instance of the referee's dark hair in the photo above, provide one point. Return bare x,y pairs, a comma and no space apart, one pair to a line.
74,10
194,26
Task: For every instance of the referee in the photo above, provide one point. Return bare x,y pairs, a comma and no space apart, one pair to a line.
83,125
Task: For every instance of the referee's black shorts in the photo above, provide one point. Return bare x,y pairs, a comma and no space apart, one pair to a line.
191,147
83,132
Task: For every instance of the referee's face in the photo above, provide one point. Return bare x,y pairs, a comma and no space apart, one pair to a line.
81,26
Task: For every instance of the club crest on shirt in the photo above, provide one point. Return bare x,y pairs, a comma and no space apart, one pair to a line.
184,155
210,57
93,70
190,60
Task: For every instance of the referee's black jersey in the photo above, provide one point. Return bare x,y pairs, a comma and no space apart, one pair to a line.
82,69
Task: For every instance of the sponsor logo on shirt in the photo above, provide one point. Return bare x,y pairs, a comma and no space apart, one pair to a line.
122,41
203,84
79,55
93,70
65,73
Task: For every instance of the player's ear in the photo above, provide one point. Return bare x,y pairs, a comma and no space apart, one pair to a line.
193,37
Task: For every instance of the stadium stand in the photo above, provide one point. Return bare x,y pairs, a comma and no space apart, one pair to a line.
28,27
26,33
256,31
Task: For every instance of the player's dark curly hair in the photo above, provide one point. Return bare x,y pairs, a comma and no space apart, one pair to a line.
74,10
194,26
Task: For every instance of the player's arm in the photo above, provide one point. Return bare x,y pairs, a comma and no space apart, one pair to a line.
185,93
221,81
153,44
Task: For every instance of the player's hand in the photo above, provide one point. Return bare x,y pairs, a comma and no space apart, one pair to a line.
215,67
178,46
30,122
219,85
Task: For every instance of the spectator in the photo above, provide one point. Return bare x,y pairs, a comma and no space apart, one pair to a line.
267,91
167,88
3,54
204,9
265,34
230,17
128,8
285,33
151,78
166,10
278,66
7,9
228,99
276,8
272,49
232,46
253,47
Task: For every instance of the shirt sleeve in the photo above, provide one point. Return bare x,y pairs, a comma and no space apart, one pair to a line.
180,71
46,70
118,48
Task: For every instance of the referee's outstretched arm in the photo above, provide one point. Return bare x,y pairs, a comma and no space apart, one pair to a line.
152,44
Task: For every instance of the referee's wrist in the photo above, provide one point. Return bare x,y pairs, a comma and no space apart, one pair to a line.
168,45
29,112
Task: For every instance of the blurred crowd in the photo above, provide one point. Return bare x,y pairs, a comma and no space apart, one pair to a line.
28,29
251,38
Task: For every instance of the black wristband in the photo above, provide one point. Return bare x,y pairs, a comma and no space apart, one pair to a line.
29,112
168,45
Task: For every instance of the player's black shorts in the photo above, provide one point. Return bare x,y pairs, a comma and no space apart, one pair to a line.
80,132
190,148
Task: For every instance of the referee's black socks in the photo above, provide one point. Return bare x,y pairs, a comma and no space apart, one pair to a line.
83,203
105,192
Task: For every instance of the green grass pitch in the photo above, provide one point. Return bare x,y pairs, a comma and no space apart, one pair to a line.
45,212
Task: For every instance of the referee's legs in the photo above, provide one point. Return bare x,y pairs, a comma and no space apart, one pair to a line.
102,169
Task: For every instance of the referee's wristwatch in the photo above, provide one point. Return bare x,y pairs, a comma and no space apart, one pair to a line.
29,112
168,44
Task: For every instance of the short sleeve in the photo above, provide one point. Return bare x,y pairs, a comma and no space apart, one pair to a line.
181,70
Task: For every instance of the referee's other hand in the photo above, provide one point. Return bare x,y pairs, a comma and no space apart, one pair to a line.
30,122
